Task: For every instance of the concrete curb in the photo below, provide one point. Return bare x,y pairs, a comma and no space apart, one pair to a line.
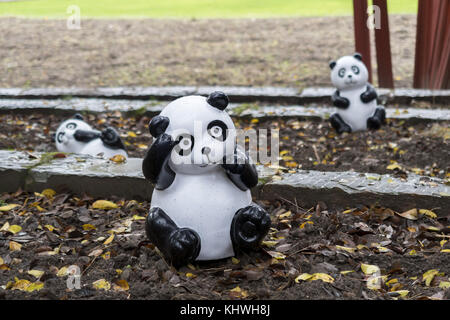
102,178
68,107
236,94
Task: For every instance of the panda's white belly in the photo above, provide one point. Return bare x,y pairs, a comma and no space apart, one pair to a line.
207,204
96,146
358,112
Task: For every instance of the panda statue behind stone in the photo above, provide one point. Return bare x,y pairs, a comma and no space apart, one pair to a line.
355,98
201,207
76,136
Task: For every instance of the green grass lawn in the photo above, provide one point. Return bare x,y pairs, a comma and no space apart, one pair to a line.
190,8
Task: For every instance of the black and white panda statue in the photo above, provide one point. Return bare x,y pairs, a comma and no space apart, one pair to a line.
201,207
355,98
76,136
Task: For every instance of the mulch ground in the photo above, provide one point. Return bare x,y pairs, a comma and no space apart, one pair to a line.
310,253
143,52
398,148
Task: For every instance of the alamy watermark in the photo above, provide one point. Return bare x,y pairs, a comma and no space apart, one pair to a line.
374,19
74,20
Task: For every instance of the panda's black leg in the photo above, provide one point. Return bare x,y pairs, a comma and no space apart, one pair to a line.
179,245
111,138
339,124
378,118
249,226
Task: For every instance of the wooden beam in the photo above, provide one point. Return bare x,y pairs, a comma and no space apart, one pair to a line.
362,34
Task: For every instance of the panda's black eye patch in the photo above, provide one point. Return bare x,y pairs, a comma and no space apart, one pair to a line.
71,126
185,144
218,130
341,72
355,70
59,137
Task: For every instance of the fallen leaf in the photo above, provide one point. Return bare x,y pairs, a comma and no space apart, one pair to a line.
14,246
118,158
444,284
109,240
62,272
36,273
104,204
14,228
8,207
429,276
369,269
88,227
101,284
348,249
315,276
428,213
48,193
410,214
121,285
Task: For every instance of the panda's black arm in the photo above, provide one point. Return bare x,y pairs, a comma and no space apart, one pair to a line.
369,95
111,138
338,101
156,162
86,135
243,175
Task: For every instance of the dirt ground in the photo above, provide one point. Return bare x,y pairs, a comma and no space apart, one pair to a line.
46,234
253,52
398,148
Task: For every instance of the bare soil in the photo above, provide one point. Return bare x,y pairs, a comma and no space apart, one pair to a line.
147,52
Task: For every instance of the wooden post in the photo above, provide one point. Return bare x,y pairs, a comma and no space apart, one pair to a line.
383,47
362,34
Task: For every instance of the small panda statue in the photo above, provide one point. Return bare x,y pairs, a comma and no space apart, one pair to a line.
201,207
76,136
355,98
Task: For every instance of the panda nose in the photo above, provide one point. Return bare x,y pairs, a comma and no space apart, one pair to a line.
206,150
350,76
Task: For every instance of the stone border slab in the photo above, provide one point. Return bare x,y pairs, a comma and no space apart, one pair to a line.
70,106
102,178
236,94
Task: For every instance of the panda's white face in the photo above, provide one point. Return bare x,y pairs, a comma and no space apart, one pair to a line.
204,134
348,73
64,137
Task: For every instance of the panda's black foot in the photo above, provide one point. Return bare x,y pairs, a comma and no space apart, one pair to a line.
184,246
249,226
178,245
339,124
375,122
111,138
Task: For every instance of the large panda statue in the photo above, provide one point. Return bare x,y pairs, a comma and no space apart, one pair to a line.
76,136
355,98
201,207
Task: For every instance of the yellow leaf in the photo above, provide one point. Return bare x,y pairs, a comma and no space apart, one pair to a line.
269,243
14,228
109,240
412,252
305,223
136,217
369,269
348,249
118,158
429,276
410,214
428,213
87,227
8,207
234,260
392,281
445,250
121,285
285,215
142,146
104,204
190,275
36,286
1,261
444,284
393,166
315,276
101,284
442,242
131,134
48,193
14,246
62,272
36,273
347,272
276,255
50,227
106,255
401,293
239,293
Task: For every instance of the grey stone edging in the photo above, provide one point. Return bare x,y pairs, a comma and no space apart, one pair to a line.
236,94
102,178
69,106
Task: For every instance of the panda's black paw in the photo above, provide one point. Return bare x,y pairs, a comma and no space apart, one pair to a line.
184,246
373,123
250,225
339,125
110,136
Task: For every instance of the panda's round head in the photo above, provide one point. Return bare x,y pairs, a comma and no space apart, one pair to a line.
349,72
203,130
64,136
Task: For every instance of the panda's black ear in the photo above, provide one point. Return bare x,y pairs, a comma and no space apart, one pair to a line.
158,125
218,100
332,65
78,117
358,56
